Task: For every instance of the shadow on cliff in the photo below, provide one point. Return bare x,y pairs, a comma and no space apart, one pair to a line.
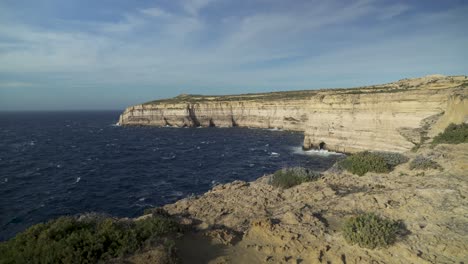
196,248
192,116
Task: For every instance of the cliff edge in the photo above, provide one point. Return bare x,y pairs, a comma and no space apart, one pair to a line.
254,222
390,117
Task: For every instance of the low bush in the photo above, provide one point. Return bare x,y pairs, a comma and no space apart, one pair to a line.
289,177
453,134
423,163
392,159
363,162
370,231
156,211
84,240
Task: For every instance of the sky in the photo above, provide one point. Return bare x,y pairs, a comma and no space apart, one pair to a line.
110,54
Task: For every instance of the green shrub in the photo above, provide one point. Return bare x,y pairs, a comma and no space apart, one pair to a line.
453,134
392,159
289,177
362,162
152,227
156,211
370,231
423,163
83,240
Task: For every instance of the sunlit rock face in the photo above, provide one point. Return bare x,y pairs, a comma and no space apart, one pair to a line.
388,117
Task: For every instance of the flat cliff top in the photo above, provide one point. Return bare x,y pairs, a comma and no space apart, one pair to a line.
253,222
435,82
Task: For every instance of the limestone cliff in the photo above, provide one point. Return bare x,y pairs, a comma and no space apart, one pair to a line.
388,117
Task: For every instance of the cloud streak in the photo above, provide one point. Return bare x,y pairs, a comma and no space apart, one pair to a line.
13,84
216,47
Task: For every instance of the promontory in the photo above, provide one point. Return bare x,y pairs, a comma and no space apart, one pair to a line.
389,117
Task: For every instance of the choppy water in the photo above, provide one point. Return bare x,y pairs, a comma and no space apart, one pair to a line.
61,163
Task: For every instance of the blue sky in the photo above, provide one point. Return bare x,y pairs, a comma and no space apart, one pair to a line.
109,54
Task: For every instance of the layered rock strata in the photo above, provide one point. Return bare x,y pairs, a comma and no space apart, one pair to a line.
389,117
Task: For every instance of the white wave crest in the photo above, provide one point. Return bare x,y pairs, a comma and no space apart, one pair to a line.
314,152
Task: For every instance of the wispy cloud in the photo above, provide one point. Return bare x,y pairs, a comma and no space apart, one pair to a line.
193,7
394,11
155,12
14,84
215,46
126,25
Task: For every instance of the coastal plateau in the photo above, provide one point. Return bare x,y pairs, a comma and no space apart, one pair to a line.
254,222
390,117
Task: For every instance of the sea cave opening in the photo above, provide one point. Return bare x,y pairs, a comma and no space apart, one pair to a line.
322,145
212,124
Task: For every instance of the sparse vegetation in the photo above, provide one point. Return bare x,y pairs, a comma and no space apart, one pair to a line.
453,134
289,177
423,163
274,96
156,211
363,162
195,98
392,159
370,231
374,91
89,239
416,147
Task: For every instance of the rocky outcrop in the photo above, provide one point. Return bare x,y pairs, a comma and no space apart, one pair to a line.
389,117
303,224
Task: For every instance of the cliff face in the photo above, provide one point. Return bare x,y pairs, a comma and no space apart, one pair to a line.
389,117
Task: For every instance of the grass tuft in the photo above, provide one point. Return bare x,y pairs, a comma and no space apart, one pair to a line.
423,163
370,231
289,177
392,159
453,134
363,162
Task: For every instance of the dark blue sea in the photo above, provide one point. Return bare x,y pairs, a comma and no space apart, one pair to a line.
65,163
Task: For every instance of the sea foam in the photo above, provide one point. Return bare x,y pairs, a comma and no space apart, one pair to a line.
314,152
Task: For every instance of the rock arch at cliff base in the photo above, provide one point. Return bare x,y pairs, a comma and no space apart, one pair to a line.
322,145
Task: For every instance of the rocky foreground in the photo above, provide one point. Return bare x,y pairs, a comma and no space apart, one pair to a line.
253,222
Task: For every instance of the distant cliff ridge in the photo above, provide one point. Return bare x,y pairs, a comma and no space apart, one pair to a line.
388,117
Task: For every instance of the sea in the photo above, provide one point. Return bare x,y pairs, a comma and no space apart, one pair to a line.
66,163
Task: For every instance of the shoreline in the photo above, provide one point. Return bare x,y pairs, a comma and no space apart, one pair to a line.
303,223
136,206
252,222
